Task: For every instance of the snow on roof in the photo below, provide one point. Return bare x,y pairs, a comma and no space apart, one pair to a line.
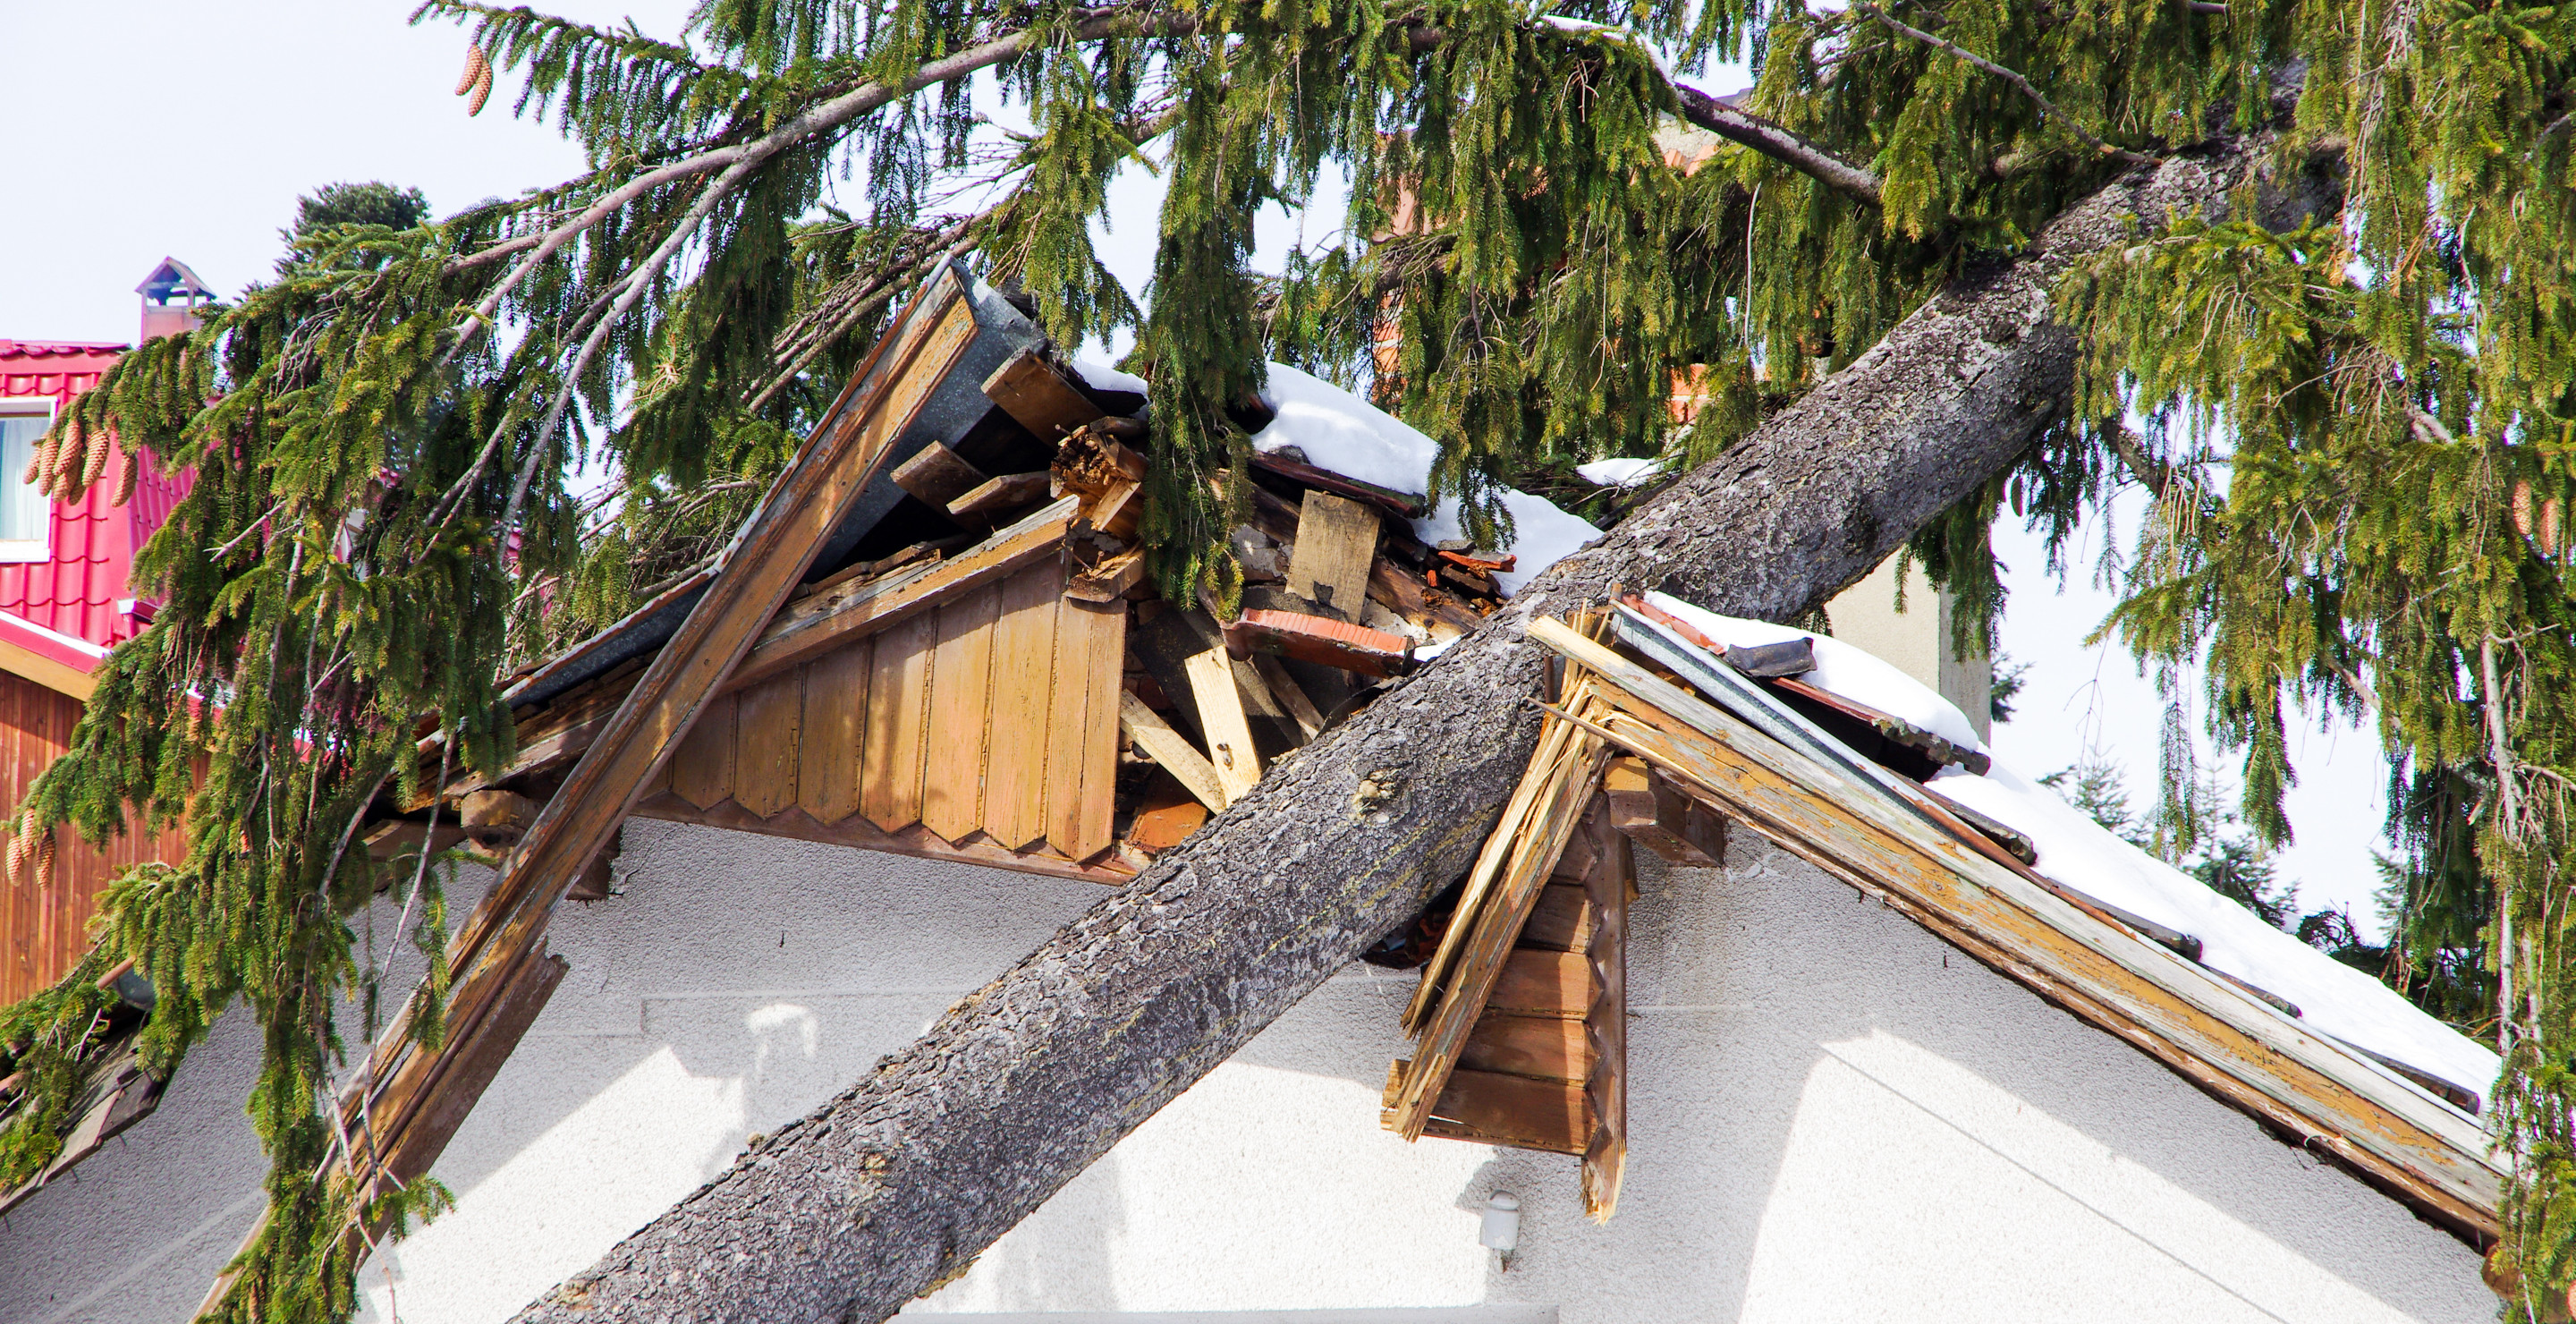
1620,471
1339,431
1100,376
2078,852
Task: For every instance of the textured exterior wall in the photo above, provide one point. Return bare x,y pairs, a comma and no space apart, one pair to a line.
1834,1117
1917,639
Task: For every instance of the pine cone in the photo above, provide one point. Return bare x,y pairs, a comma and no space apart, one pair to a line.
41,465
125,484
67,459
101,445
475,67
482,92
14,855
45,856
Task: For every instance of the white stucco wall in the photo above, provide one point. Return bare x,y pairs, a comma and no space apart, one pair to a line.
1835,1117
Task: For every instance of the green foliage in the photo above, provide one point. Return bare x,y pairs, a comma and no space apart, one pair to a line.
2345,426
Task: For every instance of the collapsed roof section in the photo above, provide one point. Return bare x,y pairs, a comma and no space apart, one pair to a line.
1740,729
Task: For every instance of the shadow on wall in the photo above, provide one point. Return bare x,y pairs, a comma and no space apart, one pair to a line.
1834,1116
735,984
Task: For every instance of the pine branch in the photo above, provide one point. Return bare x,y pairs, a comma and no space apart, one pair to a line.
2046,106
1777,142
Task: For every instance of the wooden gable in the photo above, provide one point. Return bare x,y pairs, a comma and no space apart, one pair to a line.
983,725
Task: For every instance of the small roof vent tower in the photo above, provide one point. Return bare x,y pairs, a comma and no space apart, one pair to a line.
171,296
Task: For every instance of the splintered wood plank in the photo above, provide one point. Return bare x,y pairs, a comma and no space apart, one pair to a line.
702,767
1008,492
898,721
1082,728
767,721
1220,708
1159,742
835,725
1023,688
1537,982
952,779
1544,1047
1336,545
1605,1027
1034,394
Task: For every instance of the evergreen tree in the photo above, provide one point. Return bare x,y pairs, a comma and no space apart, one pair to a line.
2357,388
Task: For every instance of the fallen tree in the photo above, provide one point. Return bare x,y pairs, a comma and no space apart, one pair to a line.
893,1187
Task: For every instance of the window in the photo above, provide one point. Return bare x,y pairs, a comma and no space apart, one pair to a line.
26,517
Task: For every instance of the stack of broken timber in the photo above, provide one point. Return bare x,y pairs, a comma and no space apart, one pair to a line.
1338,594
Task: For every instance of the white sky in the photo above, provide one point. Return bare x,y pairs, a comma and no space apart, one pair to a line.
188,127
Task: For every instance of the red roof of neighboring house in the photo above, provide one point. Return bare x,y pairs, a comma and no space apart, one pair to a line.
78,591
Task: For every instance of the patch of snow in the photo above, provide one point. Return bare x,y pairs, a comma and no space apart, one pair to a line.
2073,849
1624,471
2333,997
1102,377
1851,672
1587,29
1338,431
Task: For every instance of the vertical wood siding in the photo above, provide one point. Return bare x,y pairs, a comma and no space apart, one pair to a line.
44,925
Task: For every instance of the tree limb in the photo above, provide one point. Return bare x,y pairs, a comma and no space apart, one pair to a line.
1777,142
898,1183
2046,106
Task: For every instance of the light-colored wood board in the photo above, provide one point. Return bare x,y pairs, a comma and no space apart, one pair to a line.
1023,692
1336,545
702,767
899,683
1096,812
1071,770
1219,704
952,780
834,729
1159,742
1563,920
768,718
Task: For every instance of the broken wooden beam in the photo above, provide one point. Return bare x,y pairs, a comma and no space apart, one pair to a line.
1229,734
1147,730
1038,398
938,475
1406,504
1008,492
1646,808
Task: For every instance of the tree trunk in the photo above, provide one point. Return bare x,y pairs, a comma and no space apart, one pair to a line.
895,1185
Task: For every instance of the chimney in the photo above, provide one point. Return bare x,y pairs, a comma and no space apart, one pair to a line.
171,295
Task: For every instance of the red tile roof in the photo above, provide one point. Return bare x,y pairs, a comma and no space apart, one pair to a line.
77,592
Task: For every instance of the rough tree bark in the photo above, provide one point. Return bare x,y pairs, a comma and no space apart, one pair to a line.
894,1186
